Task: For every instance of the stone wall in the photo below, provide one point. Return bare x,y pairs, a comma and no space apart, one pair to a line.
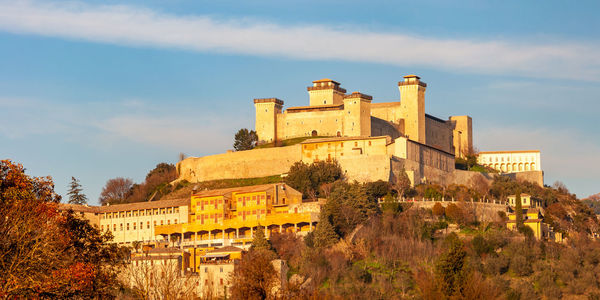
326,123
240,164
439,134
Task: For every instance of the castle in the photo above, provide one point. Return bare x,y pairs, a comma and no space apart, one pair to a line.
371,141
333,112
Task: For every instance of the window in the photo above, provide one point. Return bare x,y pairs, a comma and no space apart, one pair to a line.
162,222
355,143
369,143
168,222
148,225
154,223
175,222
206,271
141,225
121,227
127,226
221,272
134,226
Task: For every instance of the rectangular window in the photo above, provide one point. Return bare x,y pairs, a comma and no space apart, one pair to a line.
148,225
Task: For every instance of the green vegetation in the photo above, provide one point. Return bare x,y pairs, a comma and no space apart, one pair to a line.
76,195
288,142
360,251
245,140
313,180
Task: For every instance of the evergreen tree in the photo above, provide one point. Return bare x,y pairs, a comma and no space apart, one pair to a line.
259,241
75,193
450,268
325,235
518,210
245,139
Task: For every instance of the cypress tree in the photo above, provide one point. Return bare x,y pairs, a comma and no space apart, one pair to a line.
259,241
325,235
518,210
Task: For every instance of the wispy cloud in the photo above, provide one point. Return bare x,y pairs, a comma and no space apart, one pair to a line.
193,132
128,25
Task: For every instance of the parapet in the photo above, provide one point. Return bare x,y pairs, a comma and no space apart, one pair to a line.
326,84
412,80
269,100
358,95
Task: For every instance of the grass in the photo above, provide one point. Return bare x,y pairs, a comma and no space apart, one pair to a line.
185,188
288,142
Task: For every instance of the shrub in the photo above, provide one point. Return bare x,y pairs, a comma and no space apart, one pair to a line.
438,209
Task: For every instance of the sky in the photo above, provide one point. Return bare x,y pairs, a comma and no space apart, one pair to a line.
105,89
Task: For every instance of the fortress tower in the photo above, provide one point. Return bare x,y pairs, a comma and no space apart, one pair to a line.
357,114
412,102
267,110
326,92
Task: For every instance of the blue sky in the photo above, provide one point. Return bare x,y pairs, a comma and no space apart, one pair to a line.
103,89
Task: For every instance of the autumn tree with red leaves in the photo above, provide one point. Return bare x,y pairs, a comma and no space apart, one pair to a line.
45,253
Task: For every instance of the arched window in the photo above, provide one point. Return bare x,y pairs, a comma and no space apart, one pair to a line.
314,133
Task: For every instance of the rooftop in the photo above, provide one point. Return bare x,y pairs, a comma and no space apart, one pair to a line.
346,138
507,152
126,206
326,80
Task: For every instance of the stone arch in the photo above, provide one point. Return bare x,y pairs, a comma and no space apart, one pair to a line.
497,167
520,166
339,133
514,167
313,133
526,166
503,167
532,166
509,168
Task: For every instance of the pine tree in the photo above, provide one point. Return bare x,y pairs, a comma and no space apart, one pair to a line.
325,235
259,241
518,210
245,140
75,193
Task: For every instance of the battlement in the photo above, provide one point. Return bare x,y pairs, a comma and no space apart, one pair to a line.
412,80
358,95
326,84
269,100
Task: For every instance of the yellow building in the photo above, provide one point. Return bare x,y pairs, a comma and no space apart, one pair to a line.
532,217
225,217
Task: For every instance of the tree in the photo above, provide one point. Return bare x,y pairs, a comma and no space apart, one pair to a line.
245,140
402,184
450,268
45,253
309,179
324,235
259,241
75,193
116,190
518,210
438,210
254,277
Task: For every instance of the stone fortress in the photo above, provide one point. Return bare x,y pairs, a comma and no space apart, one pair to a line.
371,141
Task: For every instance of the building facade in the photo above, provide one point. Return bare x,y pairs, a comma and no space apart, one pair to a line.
511,161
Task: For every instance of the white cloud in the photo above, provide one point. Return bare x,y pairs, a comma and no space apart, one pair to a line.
130,25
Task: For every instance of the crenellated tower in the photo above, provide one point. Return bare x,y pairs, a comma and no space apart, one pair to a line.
326,92
412,103
267,110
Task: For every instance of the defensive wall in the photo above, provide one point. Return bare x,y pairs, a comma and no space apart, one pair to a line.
239,164
486,211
